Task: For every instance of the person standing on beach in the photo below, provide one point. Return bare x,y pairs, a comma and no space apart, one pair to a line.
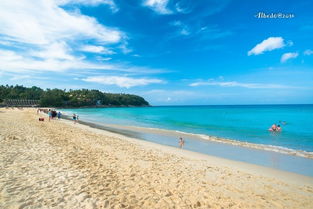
59,115
74,118
181,142
50,114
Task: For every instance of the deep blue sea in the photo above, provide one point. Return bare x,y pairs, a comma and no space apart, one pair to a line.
246,123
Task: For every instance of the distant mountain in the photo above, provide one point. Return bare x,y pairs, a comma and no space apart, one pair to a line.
71,98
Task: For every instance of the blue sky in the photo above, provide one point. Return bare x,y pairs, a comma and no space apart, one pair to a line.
171,52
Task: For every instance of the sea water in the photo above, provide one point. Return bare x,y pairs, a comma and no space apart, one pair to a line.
243,123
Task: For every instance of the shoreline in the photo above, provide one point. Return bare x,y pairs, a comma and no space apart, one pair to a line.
227,141
250,155
66,165
247,167
107,130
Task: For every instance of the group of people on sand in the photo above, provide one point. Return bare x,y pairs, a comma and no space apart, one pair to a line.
53,114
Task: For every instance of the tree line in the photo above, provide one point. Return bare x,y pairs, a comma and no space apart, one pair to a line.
70,98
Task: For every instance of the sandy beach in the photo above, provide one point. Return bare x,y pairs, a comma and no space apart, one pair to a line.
59,164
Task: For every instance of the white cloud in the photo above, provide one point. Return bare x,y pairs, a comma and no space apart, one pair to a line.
159,6
41,37
44,22
124,48
183,28
45,37
18,62
169,93
6,43
20,77
288,56
165,7
110,3
267,45
308,52
122,81
11,61
238,84
41,61
7,55
181,9
96,49
58,50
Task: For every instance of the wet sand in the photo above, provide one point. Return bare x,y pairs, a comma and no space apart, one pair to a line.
249,154
64,165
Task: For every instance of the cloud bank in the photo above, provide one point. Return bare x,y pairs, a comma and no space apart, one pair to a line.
45,23
122,81
40,37
239,84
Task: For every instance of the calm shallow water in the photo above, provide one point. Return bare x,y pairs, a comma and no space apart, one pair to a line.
247,123
242,123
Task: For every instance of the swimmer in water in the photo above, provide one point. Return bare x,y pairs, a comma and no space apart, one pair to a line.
273,127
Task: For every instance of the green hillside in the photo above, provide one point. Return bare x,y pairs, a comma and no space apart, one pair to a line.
70,98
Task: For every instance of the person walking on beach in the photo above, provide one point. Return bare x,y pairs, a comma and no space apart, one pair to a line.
50,114
59,115
181,142
74,118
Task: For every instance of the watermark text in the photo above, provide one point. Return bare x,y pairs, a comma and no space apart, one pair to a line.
272,15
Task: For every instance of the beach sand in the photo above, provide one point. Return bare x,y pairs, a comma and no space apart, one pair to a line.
64,165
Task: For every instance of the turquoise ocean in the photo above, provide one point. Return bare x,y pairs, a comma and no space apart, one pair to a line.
245,126
246,123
